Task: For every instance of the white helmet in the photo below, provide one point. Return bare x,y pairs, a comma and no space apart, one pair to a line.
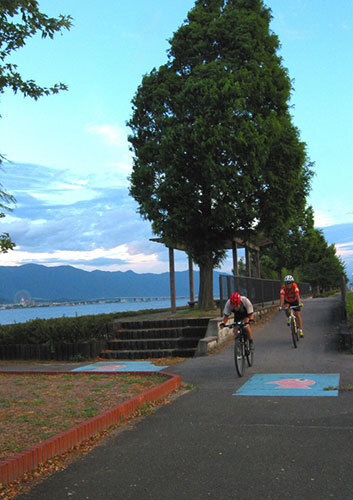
289,279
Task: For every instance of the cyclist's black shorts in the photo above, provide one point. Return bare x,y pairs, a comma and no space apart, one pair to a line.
293,304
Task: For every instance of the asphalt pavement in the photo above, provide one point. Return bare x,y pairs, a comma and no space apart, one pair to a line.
212,444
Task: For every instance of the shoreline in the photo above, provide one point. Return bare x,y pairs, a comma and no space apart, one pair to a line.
68,303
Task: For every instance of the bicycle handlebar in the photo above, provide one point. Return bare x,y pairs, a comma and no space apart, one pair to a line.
237,323
290,307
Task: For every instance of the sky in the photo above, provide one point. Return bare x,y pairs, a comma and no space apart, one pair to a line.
69,154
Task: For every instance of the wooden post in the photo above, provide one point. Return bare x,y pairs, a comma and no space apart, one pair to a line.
258,273
172,280
221,302
247,261
191,283
235,258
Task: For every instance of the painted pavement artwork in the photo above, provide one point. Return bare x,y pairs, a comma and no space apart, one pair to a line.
291,384
120,366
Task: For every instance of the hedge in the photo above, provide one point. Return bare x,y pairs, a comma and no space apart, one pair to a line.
65,329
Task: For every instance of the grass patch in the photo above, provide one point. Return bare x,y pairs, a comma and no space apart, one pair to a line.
327,293
349,309
31,411
348,387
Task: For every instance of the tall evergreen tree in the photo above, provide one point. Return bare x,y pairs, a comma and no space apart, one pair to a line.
320,265
215,152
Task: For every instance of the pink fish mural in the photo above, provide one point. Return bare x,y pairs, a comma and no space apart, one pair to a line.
293,383
111,368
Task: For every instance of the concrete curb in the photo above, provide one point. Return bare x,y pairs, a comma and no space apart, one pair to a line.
16,466
345,337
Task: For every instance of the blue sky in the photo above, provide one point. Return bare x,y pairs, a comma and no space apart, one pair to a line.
69,152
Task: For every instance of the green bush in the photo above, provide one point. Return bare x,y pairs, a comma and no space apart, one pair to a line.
65,329
349,308
326,293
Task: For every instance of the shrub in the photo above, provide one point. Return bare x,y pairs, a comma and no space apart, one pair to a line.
64,329
349,308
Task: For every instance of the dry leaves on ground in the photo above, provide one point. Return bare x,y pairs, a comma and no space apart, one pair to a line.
102,391
34,407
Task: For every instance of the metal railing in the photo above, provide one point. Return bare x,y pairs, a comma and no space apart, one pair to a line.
259,291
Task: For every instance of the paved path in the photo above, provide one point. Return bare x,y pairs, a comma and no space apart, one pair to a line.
210,444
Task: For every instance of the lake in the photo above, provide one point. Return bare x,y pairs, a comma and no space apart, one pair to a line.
21,315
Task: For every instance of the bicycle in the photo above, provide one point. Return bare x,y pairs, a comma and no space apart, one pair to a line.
242,348
292,322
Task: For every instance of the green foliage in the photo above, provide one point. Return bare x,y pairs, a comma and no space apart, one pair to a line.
20,20
268,268
304,253
327,293
50,331
349,308
6,200
321,267
215,151
64,330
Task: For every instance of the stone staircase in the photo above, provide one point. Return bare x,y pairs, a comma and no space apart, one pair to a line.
155,339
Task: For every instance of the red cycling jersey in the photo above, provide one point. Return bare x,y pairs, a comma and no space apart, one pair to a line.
290,294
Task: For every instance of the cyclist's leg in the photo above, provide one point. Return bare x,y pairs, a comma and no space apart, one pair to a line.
251,337
287,311
299,319
299,322
249,330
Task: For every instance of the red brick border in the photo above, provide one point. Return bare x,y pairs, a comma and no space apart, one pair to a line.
16,466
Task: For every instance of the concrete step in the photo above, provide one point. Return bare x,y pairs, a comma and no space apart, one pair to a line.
155,338
161,333
148,353
164,343
167,323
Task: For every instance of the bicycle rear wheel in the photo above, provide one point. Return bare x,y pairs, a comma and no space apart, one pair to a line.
294,333
249,353
239,357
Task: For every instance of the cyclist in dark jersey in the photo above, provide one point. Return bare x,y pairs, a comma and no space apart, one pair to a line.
242,309
289,295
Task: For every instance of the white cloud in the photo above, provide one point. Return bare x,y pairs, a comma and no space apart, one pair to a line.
323,219
111,134
344,250
64,195
122,167
73,185
129,259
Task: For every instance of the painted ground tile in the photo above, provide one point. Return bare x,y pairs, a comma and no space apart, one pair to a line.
291,384
120,366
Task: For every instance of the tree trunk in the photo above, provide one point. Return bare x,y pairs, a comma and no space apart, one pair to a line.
205,300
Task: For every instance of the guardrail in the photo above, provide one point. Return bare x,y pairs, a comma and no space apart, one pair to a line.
259,291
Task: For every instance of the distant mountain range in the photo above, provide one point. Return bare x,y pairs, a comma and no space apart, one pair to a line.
37,282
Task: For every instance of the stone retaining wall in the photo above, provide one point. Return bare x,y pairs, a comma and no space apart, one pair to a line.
216,336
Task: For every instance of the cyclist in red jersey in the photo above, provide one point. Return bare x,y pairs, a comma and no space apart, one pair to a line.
289,295
242,309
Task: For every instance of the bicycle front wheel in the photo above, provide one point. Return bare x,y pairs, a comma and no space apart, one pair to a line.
239,357
249,354
294,333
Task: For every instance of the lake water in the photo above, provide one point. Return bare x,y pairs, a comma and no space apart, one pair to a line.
8,316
